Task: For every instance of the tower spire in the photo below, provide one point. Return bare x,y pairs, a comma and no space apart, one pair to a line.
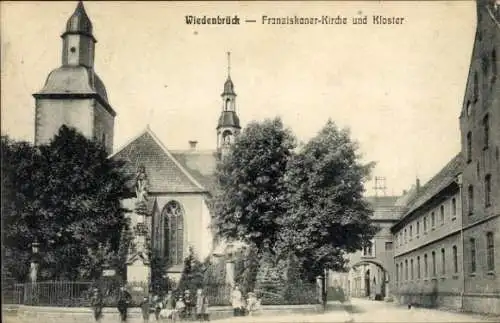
228,65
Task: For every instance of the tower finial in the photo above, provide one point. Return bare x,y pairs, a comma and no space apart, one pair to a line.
229,64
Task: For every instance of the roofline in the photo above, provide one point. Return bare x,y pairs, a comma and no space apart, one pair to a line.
120,149
166,151
88,95
407,215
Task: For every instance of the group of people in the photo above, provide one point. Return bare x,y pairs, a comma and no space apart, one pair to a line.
168,307
242,307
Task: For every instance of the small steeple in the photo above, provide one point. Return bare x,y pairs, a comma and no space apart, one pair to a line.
79,22
228,85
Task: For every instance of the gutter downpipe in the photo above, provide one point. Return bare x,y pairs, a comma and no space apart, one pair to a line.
462,238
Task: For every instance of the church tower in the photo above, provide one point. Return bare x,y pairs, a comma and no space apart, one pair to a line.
229,124
73,94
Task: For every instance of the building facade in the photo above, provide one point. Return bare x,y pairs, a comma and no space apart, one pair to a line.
447,243
169,189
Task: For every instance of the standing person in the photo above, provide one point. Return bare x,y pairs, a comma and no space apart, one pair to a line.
123,302
180,309
201,305
97,304
145,309
252,303
158,304
236,301
189,303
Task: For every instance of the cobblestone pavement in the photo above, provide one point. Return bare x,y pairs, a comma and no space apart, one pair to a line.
374,311
357,311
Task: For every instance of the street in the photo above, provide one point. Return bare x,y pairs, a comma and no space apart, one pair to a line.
359,310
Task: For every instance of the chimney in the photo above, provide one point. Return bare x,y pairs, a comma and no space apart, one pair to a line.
192,144
417,184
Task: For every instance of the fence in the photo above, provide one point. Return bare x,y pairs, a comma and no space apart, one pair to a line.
57,293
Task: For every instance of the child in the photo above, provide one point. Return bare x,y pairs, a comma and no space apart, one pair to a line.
97,304
201,306
145,309
252,303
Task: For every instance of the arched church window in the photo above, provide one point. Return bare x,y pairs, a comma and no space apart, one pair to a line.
228,105
173,235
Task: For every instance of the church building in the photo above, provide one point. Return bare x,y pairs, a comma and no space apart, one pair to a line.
172,185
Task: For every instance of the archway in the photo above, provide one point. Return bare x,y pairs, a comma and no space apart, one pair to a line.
370,279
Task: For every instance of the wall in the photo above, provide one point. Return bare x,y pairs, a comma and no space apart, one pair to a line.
104,123
51,114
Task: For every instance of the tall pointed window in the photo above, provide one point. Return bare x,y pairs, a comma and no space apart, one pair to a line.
470,194
487,190
476,88
490,251
433,264
443,262
173,236
455,259
486,131
472,245
469,147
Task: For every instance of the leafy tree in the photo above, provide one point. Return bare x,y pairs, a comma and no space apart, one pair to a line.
249,201
326,215
65,194
192,276
18,216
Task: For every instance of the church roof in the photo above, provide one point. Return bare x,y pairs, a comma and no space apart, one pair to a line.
166,172
229,119
385,207
78,80
228,87
79,22
200,164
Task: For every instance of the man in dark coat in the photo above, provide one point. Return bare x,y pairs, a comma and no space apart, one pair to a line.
123,303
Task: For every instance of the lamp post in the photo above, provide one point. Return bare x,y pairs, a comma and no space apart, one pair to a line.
34,261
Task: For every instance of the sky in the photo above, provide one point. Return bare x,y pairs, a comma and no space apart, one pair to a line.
398,88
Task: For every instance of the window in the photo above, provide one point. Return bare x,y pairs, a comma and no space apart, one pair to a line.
472,243
406,235
470,195
401,237
411,269
388,245
433,219
173,236
490,251
411,231
368,250
487,190
493,65
397,273
486,132
418,228
455,259
406,269
443,262
426,266
469,147
433,264
453,208
401,269
468,107
418,267
441,213
425,224
476,88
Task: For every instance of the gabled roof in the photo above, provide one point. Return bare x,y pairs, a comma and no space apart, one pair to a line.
164,172
384,207
200,164
436,184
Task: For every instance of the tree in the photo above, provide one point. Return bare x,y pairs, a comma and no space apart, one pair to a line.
192,276
326,216
66,195
249,200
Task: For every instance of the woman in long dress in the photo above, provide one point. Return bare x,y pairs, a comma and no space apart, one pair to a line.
236,301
